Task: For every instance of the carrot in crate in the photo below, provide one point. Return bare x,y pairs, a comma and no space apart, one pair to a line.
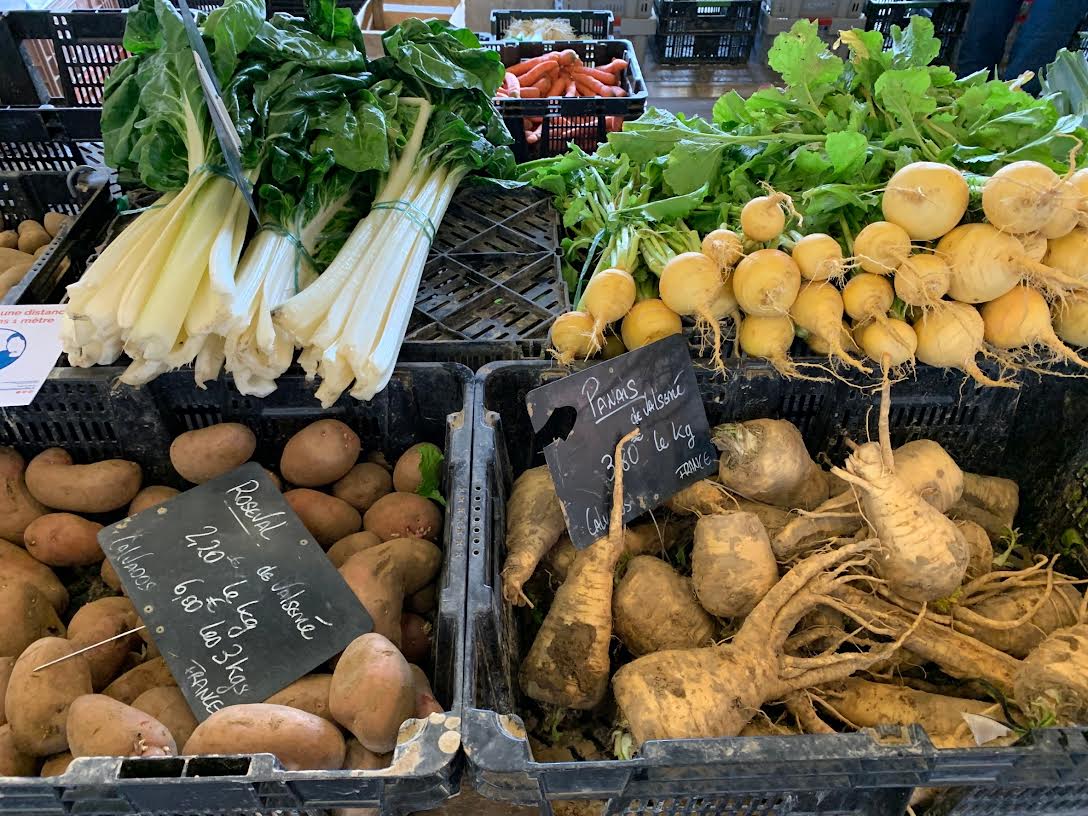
602,76
530,93
537,72
617,66
523,67
512,84
558,85
572,89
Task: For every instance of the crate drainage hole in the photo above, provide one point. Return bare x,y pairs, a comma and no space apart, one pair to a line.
152,768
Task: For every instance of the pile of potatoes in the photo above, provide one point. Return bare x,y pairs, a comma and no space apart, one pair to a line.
20,247
120,698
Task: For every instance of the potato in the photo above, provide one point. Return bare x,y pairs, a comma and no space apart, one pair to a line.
28,616
424,601
11,257
133,683
300,741
13,275
56,765
347,546
97,621
309,694
372,692
415,637
319,454
16,564
151,496
14,762
6,665
9,239
110,577
167,705
17,507
32,235
40,251
426,703
199,456
54,222
326,517
406,474
102,487
37,701
64,540
363,485
404,515
359,758
101,726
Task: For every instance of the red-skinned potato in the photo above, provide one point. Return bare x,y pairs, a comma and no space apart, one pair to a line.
309,694
415,637
63,540
37,701
363,485
16,564
319,454
101,726
167,705
56,765
98,621
347,546
151,496
373,692
381,576
17,507
56,482
300,741
14,762
404,515
326,517
133,683
27,616
201,455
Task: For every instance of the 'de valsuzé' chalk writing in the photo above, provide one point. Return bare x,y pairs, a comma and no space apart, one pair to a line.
236,594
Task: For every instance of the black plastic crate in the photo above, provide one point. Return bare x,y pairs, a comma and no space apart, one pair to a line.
871,773
92,417
49,138
585,118
948,18
707,16
32,195
596,25
65,56
684,49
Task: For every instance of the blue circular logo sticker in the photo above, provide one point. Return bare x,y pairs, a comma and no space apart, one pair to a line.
12,346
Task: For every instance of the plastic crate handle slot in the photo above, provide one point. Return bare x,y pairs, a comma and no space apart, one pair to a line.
178,767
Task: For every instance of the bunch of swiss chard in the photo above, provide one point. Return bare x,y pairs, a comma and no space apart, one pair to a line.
324,137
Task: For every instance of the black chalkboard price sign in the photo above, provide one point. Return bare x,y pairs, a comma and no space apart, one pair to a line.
237,595
652,389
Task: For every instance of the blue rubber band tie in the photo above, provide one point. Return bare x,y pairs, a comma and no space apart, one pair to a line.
415,215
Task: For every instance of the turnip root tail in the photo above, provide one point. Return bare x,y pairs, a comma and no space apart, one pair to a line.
568,663
534,522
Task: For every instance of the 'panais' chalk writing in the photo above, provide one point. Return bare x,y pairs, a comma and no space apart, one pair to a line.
614,399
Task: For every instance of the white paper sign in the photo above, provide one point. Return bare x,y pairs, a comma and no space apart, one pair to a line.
29,348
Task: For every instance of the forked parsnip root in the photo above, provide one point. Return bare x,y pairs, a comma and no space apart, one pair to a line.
534,522
714,692
568,663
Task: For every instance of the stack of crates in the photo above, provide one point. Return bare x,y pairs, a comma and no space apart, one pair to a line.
717,32
635,20
832,16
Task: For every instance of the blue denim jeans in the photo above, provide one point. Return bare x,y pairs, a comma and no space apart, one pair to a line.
1048,27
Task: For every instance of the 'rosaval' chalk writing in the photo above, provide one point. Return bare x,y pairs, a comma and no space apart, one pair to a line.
248,506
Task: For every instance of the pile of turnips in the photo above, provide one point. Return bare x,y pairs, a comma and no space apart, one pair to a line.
780,597
936,282
381,527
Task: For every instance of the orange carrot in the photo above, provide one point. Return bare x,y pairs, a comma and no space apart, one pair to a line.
558,85
613,123
525,66
572,89
512,84
569,57
533,136
530,93
603,77
533,75
589,86
618,91
616,66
